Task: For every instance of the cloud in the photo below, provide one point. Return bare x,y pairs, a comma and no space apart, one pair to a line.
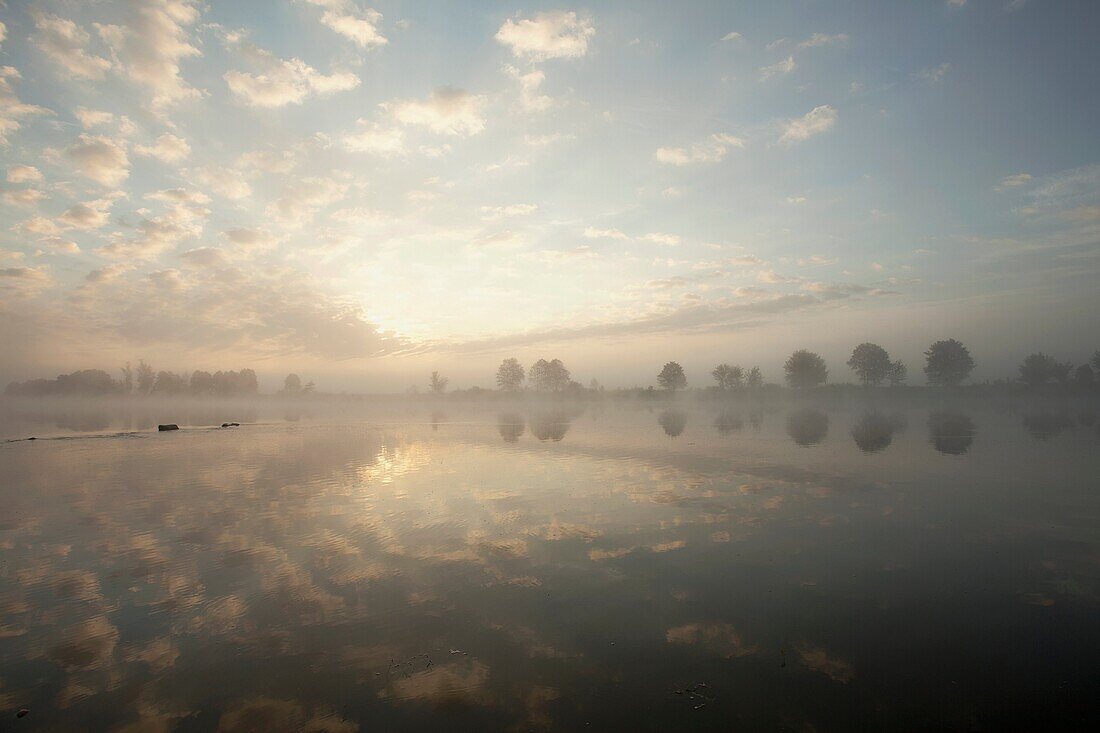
360,26
90,215
12,111
205,257
836,291
99,158
182,219
64,43
376,139
447,111
281,82
496,213
168,148
933,74
816,121
150,47
226,182
666,240
28,274
594,233
24,174
779,68
732,36
772,277
1013,181
302,199
529,98
822,39
550,35
711,150
25,197
250,239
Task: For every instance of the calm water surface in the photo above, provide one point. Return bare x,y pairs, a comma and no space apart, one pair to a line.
789,568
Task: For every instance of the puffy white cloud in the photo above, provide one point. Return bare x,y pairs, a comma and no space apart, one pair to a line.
65,44
594,233
24,174
446,110
303,198
151,46
383,140
529,98
816,121
666,240
496,213
550,35
168,148
99,158
360,26
88,215
226,182
280,82
779,68
732,36
1013,181
25,197
711,150
12,110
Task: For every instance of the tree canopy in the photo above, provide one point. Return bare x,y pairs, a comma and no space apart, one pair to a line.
948,363
871,363
805,369
672,377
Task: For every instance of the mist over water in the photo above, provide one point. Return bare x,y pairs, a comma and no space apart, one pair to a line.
545,564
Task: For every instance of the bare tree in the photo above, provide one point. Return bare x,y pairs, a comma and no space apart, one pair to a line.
437,383
755,380
127,379
897,374
146,377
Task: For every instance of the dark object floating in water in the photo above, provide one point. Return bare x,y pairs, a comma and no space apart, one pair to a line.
170,426
231,424
23,712
32,438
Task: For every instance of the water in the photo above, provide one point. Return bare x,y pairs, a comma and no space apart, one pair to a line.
767,567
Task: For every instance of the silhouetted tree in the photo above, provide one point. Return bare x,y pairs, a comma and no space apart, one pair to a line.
127,378
871,363
145,377
1084,375
755,380
805,369
950,432
897,374
247,382
1038,369
82,382
169,383
672,422
1095,361
549,376
202,383
510,375
1061,372
728,377
672,377
292,384
808,426
437,384
948,363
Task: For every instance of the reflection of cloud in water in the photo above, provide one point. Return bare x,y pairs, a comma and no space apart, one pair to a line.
719,638
817,659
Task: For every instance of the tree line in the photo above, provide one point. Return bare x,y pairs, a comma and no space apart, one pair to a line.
141,380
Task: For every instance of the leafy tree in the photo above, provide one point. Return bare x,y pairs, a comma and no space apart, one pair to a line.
292,384
805,369
755,379
127,379
948,363
672,377
549,376
247,383
871,363
146,377
510,375
202,383
1095,361
169,383
728,377
897,374
1084,375
437,383
1038,369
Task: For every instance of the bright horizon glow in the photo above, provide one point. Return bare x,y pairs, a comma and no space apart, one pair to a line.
364,193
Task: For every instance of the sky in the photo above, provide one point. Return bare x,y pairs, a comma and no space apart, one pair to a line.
363,193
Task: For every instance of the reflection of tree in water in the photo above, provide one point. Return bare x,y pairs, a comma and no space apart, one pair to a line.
950,432
807,426
875,431
728,422
438,416
1046,425
511,426
673,422
550,425
756,419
